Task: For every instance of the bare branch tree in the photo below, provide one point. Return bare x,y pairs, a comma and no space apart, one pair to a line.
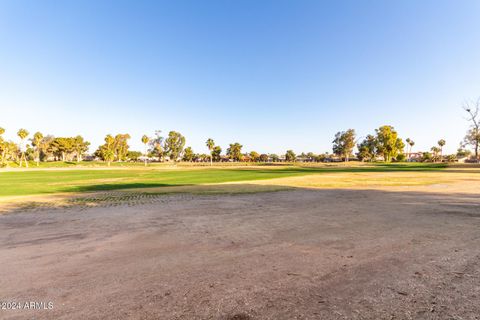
473,110
473,135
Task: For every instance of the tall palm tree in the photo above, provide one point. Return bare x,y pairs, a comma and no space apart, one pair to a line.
441,143
411,143
210,145
145,140
436,151
23,134
408,151
36,141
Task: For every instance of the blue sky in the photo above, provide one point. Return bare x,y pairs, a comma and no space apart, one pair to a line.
272,75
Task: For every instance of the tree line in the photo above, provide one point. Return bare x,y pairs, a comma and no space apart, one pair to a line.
384,145
41,148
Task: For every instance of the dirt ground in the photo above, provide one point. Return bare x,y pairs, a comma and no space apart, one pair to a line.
297,254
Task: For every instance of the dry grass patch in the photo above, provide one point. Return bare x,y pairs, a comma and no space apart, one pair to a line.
451,179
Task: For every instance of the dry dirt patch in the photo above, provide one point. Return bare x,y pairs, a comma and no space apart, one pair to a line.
299,254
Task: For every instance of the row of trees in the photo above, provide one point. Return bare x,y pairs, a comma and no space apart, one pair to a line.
114,148
384,144
41,148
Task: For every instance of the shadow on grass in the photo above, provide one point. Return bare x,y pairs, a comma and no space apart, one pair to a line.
272,174
263,174
49,182
118,186
355,169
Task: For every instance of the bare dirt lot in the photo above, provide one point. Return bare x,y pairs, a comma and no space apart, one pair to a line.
297,254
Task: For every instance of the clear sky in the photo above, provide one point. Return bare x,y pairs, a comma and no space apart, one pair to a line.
272,75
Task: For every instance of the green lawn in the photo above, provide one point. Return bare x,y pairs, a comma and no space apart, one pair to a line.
31,182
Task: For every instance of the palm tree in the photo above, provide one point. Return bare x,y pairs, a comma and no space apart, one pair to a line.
435,151
408,142
411,143
145,140
36,141
210,145
441,143
22,134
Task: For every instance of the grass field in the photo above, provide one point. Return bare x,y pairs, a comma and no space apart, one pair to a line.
55,181
64,180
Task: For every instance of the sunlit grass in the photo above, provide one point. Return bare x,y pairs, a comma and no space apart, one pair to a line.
74,180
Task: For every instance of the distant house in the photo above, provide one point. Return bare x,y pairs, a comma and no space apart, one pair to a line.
414,156
468,160
89,157
225,159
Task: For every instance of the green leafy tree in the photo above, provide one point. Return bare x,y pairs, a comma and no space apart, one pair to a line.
463,153
366,149
426,157
106,152
388,145
109,152
290,156
9,152
311,157
254,156
109,156
80,146
451,158
210,145
216,153
188,154
264,157
343,143
53,149
400,157
145,141
174,144
321,157
274,157
62,147
23,134
157,144
201,157
45,147
472,138
234,152
133,155
121,146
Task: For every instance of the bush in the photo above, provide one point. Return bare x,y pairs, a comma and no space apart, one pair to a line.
426,157
400,158
451,158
